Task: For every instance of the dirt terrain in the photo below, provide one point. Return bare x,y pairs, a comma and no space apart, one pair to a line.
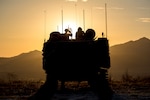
135,90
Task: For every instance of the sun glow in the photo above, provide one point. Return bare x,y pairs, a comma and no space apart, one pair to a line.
71,25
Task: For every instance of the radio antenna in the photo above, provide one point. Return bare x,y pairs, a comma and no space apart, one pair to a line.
44,25
84,19
91,17
62,19
106,18
76,13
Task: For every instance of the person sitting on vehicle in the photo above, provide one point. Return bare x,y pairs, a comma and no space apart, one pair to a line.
67,34
79,34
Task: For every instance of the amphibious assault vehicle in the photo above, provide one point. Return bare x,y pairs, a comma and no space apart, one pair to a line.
84,58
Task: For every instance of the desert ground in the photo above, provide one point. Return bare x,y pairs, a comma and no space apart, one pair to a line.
125,89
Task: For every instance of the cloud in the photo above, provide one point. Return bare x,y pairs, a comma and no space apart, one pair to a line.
76,0
145,20
117,8
113,8
100,8
84,0
142,8
72,0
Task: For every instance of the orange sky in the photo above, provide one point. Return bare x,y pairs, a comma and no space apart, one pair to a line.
25,23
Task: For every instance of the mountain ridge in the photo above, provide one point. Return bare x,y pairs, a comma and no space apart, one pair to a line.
131,56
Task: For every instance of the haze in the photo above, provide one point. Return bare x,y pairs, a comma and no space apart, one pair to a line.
24,24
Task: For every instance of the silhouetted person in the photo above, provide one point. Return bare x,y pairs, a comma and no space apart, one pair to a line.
79,34
89,34
102,34
67,33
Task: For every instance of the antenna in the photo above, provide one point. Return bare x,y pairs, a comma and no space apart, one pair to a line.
106,18
84,19
45,25
76,13
91,17
62,19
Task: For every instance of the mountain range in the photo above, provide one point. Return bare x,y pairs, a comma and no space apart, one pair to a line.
132,57
26,66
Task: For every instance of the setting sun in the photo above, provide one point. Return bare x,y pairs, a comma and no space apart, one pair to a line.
25,23
47,45
69,24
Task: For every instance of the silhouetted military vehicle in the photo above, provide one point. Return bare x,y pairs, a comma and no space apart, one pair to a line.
67,59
